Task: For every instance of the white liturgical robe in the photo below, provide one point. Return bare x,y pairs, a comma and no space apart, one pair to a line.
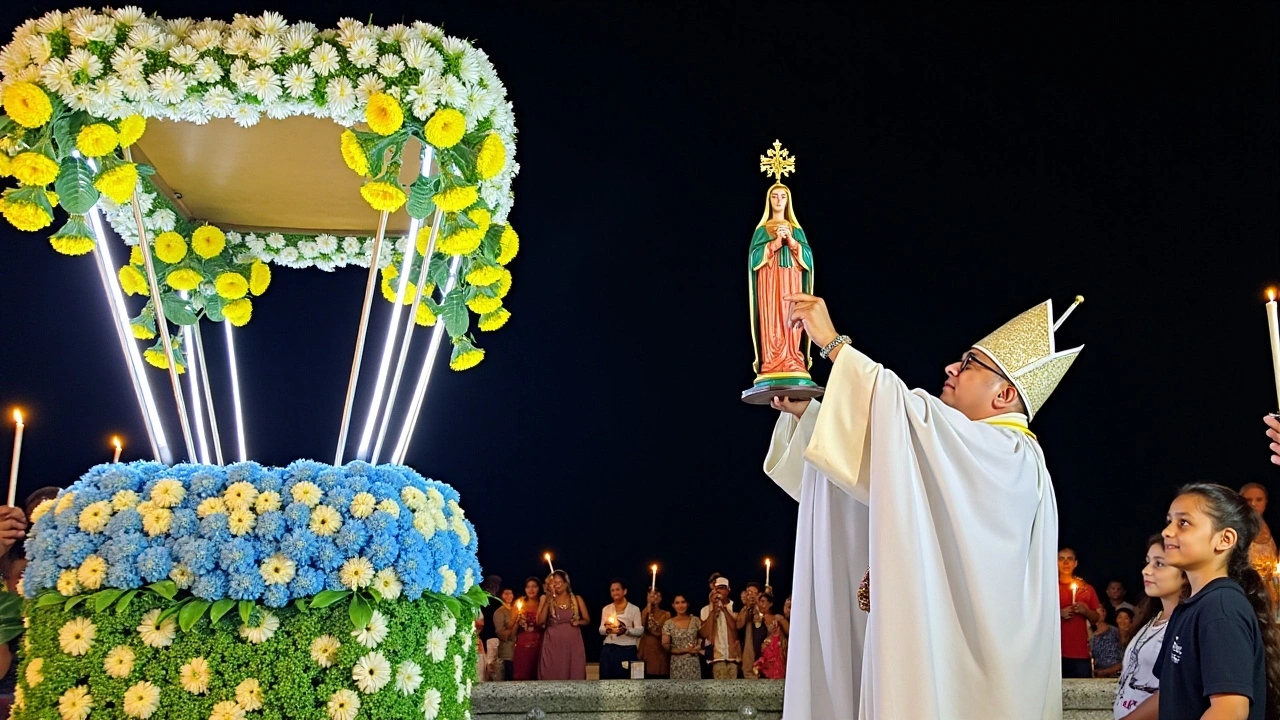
958,523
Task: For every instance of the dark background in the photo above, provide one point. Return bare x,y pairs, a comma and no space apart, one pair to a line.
957,164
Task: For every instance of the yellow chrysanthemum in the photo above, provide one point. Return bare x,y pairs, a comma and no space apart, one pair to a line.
207,241
504,283
124,500
307,493
6,164
240,521
142,332
132,281
41,510
209,506
76,636
259,277
277,570
445,128
240,495
72,244
27,104
194,676
508,245
382,196
383,114
95,516
119,662
249,695
325,521
423,316
363,505
353,153
495,319
25,215
267,501
76,703
184,279
231,285
118,182
66,501
135,255
168,493
481,217
157,358
456,199
238,312
466,359
170,247
131,128
34,677
482,304
157,521
92,572
33,168
491,157
97,140
141,700
463,241
483,275
68,585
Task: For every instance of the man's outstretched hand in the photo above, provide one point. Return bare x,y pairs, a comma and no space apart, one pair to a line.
13,527
787,405
811,313
1273,432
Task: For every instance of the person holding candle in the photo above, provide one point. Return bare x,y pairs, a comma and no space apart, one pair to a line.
657,661
1273,433
680,637
563,614
528,645
1078,605
954,487
720,629
1263,555
773,651
621,624
751,629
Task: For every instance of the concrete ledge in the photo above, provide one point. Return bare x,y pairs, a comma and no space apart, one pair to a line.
697,700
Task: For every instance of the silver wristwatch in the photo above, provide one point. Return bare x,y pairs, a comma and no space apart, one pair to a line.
840,340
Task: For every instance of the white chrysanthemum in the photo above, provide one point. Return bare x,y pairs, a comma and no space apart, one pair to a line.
276,240
219,101
324,59
325,520
278,570
168,493
357,572
180,27
437,644
240,495
368,85
240,521
390,507
450,626
388,584
396,33
424,523
33,675
169,85
207,70
420,56
327,244
227,710
264,83
371,673
297,40
67,584
265,49
141,700
184,54
455,46
92,572
390,65
457,668
343,705
238,73
50,22
144,36
263,632
237,42
155,633
363,52
249,695
431,704
80,60
57,76
194,676
75,703
119,662
182,576
204,38
129,15
39,49
324,650
106,96
135,87
305,492
468,580
454,93
374,631
408,677
270,23
299,81
308,249
76,636
289,257
460,528
469,67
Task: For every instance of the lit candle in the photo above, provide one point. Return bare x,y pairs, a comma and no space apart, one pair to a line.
17,453
119,447
767,565
553,567
1073,593
520,605
653,584
1273,324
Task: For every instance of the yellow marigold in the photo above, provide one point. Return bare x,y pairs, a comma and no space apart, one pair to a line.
231,285
353,154
135,255
456,199
465,357
481,217
504,283
445,128
27,104
131,128
390,287
482,304
158,359
382,196
170,247
118,182
142,332
132,281
97,140
495,319
491,157
463,241
423,316
72,244
484,275
33,168
383,114
259,277
52,197
184,279
25,215
239,312
508,245
207,241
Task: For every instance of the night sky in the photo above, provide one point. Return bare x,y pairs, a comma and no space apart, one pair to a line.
957,165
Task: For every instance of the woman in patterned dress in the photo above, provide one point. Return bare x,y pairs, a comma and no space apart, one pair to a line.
680,636
773,656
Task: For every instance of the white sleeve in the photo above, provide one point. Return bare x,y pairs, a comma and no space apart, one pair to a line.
785,462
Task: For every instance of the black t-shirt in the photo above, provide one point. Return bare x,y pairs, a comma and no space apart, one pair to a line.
1212,646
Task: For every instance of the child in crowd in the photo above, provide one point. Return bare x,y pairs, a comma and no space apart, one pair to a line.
1164,586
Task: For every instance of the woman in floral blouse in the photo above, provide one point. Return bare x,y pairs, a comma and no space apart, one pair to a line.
680,636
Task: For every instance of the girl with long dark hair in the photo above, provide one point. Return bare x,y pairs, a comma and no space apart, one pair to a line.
1163,587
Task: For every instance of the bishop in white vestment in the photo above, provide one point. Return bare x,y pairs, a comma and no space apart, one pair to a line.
948,502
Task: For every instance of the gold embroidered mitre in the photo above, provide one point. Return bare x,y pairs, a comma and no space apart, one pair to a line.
1025,351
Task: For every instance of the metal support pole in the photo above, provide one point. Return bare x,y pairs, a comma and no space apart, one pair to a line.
424,376
370,286
235,392
208,394
193,384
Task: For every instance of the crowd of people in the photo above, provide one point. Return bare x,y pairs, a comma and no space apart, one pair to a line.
537,635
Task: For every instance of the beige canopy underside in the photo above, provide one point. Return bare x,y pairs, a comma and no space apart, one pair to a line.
278,176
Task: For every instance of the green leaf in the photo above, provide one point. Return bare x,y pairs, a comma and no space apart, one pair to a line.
454,606
71,603
246,611
166,589
220,608
48,599
9,631
419,204
10,606
373,592
145,170
192,613
103,599
177,310
301,604
328,597
76,192
172,610
124,601
213,305
453,309
360,611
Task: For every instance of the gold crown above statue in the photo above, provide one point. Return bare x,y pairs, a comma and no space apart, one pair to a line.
1025,351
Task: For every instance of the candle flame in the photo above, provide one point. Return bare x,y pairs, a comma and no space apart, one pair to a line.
1271,294
1073,586
116,441
653,568
17,416
546,556
767,562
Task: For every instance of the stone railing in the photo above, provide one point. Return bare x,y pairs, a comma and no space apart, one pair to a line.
698,700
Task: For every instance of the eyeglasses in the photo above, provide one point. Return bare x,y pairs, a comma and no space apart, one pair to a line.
971,358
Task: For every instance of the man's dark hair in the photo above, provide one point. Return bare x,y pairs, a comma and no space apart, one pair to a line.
712,580
753,584
619,581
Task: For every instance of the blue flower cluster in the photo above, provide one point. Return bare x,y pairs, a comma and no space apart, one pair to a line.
214,539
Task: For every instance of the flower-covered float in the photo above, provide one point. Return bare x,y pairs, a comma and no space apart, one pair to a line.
215,150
